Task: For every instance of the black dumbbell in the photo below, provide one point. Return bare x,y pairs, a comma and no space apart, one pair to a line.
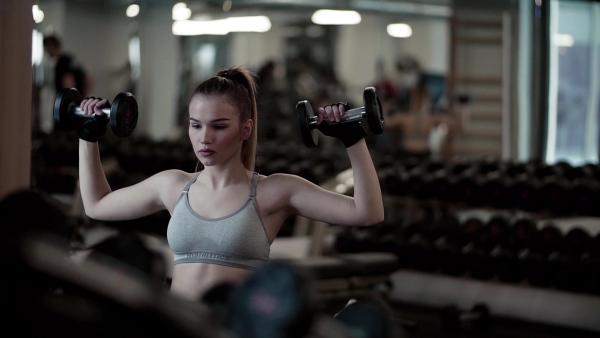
548,239
584,195
556,195
523,233
123,113
526,193
536,267
578,241
419,251
496,190
477,261
505,264
371,112
496,231
469,186
449,256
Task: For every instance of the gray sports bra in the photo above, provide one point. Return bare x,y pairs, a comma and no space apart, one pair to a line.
237,240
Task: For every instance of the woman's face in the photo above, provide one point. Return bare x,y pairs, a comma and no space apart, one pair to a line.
215,130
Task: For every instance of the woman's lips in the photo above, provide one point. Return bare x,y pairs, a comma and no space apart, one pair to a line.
206,152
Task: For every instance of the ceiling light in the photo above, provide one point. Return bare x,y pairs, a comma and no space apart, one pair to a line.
190,27
399,30
132,10
258,24
179,5
38,15
401,7
181,11
334,17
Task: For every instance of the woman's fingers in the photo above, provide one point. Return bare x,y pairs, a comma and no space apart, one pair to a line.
332,113
92,105
101,103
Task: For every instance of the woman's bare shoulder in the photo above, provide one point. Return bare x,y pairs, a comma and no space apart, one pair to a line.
280,182
274,192
175,175
172,179
275,178
170,183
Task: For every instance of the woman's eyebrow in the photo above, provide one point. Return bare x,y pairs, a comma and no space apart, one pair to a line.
221,119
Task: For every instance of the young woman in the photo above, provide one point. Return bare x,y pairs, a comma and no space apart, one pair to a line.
225,216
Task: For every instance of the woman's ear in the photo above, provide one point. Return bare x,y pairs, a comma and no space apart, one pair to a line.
246,129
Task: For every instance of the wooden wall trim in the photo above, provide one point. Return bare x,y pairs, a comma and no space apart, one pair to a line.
16,27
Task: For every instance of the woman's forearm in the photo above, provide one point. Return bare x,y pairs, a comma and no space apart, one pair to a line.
367,191
92,180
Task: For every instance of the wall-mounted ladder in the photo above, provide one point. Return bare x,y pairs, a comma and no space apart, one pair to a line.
480,69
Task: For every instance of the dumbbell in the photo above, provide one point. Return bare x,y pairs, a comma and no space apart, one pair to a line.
477,261
371,112
122,115
536,267
505,264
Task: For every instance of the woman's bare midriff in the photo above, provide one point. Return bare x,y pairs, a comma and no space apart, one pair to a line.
192,280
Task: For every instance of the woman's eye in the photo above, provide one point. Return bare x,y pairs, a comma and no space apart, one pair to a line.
195,126
220,127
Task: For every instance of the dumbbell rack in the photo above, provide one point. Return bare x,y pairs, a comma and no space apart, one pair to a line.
521,301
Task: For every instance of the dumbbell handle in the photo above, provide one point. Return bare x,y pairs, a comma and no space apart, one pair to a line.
77,111
354,114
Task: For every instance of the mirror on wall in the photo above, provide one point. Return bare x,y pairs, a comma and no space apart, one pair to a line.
100,35
140,49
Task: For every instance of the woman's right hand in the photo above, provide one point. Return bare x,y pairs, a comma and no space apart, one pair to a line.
92,128
349,133
93,105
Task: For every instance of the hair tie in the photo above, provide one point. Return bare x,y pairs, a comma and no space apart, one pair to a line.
225,75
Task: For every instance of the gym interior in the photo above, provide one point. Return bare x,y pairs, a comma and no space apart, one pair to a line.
490,179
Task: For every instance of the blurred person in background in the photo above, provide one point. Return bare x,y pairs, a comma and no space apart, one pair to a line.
68,73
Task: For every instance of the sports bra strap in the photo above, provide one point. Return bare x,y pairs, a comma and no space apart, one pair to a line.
253,185
187,187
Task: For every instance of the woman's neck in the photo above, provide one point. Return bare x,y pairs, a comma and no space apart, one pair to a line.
218,177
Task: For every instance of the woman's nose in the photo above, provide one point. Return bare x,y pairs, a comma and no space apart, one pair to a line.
205,136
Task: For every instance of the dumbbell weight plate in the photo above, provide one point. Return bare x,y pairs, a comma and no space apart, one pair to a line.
375,121
66,100
304,113
123,114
